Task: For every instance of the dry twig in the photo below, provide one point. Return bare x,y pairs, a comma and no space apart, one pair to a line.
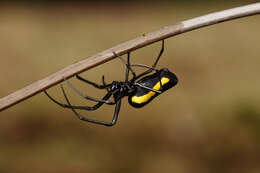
125,47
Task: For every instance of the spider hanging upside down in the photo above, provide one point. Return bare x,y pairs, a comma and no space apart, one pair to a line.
141,89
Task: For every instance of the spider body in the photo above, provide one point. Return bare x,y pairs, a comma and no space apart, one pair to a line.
140,89
162,80
121,89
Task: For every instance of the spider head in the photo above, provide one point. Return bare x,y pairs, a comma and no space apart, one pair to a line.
114,86
122,89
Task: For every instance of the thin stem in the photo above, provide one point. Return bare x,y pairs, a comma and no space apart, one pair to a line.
123,48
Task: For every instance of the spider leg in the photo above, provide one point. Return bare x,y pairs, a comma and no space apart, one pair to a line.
160,80
104,86
104,83
127,72
160,54
89,108
85,96
128,66
154,65
145,66
117,108
145,87
103,80
149,67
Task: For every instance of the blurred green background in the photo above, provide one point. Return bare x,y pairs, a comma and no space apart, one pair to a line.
210,122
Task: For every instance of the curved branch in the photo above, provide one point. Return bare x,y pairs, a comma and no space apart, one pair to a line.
123,48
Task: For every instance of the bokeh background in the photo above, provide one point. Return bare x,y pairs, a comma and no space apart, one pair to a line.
210,122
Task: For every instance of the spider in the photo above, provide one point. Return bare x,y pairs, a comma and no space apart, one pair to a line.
140,89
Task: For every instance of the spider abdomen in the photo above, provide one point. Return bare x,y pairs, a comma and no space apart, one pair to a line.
143,96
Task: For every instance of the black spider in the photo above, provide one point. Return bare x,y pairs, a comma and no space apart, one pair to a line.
140,89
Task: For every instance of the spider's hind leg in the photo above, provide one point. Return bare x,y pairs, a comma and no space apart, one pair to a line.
85,96
89,108
114,120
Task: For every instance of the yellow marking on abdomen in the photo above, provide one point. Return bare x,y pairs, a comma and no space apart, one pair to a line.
146,97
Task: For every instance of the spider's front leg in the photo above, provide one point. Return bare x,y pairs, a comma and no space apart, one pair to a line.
145,87
104,86
127,64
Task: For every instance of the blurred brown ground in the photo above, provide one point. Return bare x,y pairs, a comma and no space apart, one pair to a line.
210,122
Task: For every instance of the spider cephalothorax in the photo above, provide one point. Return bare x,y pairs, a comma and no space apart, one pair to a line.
140,89
121,89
